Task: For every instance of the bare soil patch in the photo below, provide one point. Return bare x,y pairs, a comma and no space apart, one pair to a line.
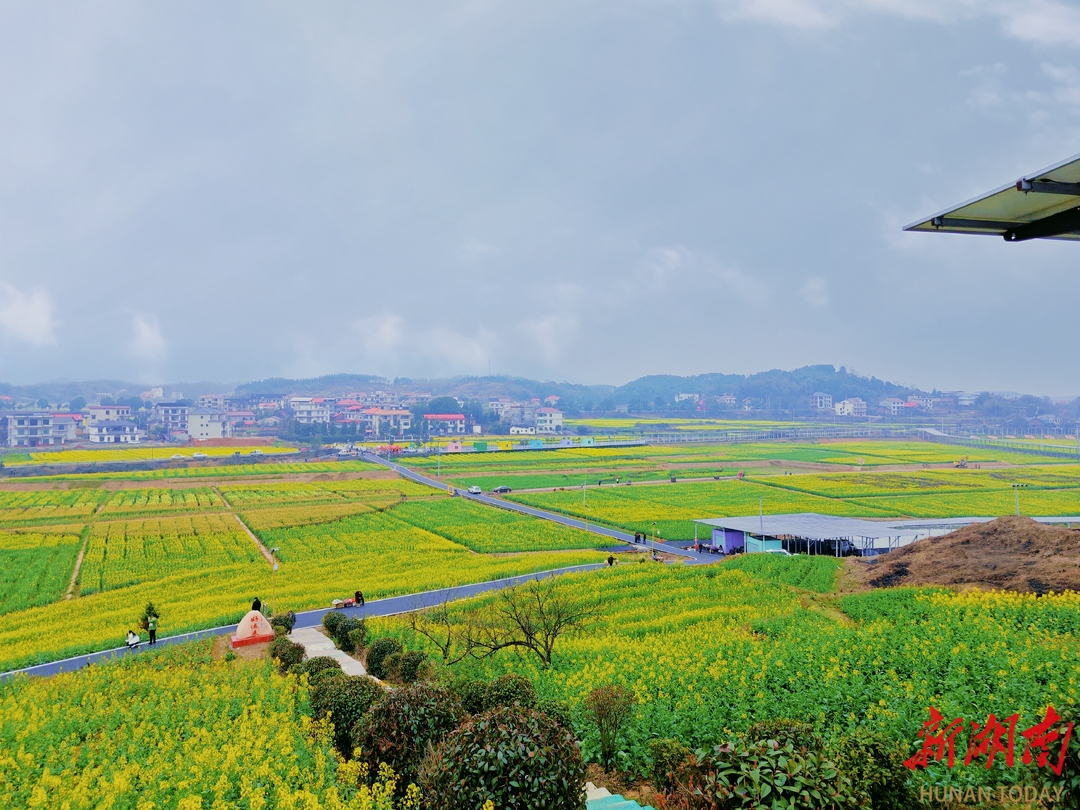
252,652
1010,553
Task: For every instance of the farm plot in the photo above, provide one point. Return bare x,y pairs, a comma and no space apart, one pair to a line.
155,501
673,508
248,496
35,568
48,506
373,532
141,454
1039,502
484,529
122,553
279,517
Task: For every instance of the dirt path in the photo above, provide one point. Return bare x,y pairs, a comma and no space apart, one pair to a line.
78,564
265,551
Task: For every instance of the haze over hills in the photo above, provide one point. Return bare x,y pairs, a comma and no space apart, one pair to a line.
768,390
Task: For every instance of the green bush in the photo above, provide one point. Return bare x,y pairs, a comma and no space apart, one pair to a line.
344,630
410,664
506,690
558,711
666,755
874,762
397,729
391,668
759,774
313,666
513,756
358,638
282,624
471,693
331,621
376,655
610,708
346,698
286,653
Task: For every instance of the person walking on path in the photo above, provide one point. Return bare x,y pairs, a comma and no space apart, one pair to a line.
610,560
151,625
358,599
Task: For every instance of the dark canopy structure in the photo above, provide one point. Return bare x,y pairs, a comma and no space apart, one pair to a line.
1043,205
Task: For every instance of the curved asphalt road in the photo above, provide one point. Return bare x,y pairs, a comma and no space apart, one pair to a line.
689,556
312,618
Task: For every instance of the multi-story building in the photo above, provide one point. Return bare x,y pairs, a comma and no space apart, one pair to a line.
892,405
214,401
208,423
117,431
107,413
376,422
549,420
30,429
446,422
311,410
172,415
821,402
727,400
851,407
66,426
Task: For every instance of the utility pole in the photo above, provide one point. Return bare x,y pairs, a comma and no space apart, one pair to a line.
1016,493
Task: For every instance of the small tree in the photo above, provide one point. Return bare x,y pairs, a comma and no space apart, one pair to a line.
531,617
610,707
148,611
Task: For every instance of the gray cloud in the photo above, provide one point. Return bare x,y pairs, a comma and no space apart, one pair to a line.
590,191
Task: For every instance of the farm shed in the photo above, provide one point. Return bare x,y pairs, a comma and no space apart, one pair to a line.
805,532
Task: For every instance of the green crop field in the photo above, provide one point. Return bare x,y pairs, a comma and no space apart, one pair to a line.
35,568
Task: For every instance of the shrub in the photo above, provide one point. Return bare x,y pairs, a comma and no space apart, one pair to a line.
148,611
511,756
745,775
391,667
331,621
313,666
409,665
557,711
344,630
471,694
874,762
397,729
358,638
377,652
506,690
282,624
286,653
666,755
345,698
610,707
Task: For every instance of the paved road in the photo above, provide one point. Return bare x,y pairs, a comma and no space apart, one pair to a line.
312,618
689,556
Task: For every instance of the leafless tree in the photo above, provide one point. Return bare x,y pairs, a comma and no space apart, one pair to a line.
530,617
454,639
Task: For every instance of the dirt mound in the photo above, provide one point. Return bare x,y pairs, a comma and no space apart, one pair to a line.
1011,554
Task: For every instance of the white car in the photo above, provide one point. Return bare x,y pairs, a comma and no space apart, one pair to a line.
256,453
475,491
177,455
199,455
779,551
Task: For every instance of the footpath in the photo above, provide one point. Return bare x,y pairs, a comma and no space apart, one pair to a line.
315,644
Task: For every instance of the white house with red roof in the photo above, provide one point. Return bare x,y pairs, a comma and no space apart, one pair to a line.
310,410
377,422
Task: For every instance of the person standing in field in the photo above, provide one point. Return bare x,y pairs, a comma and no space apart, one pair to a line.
151,625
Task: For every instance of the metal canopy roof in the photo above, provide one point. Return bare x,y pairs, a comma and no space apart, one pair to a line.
806,526
1043,205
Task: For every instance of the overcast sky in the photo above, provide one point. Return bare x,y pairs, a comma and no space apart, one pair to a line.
589,191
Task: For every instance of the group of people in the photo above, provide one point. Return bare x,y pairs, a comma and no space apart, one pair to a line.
133,639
